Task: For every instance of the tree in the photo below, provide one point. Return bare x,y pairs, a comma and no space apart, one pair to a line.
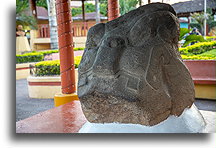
183,36
89,7
52,23
21,17
42,3
127,5
198,20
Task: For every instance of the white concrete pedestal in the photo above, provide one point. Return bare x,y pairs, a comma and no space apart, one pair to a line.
191,121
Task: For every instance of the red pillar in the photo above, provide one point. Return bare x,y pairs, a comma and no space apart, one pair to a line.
113,9
65,38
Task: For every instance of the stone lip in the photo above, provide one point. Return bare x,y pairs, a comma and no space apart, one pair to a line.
131,70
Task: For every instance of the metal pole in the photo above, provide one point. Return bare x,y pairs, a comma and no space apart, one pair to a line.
97,7
205,17
65,38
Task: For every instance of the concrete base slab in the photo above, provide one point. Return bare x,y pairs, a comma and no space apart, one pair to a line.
69,118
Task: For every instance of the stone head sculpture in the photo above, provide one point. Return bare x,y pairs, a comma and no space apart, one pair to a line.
131,70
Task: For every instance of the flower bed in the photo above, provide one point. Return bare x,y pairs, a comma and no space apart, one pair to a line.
198,48
46,82
200,59
50,68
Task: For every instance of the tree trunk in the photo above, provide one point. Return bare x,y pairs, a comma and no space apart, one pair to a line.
97,8
52,24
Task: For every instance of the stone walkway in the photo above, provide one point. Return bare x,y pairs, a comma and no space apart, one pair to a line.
27,107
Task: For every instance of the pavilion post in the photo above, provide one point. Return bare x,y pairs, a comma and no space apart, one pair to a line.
33,8
83,10
83,17
65,38
113,9
149,1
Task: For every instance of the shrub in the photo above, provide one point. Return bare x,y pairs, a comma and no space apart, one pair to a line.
47,68
77,60
48,52
29,57
50,68
78,48
209,55
198,48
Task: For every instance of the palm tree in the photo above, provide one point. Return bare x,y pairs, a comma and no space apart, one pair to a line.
21,15
52,23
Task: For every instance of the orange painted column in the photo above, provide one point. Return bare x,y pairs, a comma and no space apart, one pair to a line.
113,9
65,38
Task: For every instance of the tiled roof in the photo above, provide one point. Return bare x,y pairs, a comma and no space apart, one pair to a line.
193,6
42,13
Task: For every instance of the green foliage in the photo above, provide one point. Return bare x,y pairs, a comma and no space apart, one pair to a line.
21,5
21,17
77,60
195,25
190,38
25,20
78,48
42,3
50,68
76,11
103,9
209,55
127,5
197,57
49,52
193,38
89,7
198,48
183,32
36,56
29,57
198,20
47,68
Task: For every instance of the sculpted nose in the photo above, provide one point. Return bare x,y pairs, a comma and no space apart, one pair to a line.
109,55
107,62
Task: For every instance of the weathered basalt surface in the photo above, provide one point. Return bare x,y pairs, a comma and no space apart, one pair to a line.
131,70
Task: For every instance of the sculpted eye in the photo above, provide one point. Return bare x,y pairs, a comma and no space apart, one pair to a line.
114,42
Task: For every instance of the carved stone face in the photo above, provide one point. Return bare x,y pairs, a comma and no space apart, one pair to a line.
131,71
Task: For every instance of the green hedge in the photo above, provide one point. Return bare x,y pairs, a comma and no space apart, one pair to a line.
78,48
29,57
198,48
209,55
36,56
49,52
49,68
